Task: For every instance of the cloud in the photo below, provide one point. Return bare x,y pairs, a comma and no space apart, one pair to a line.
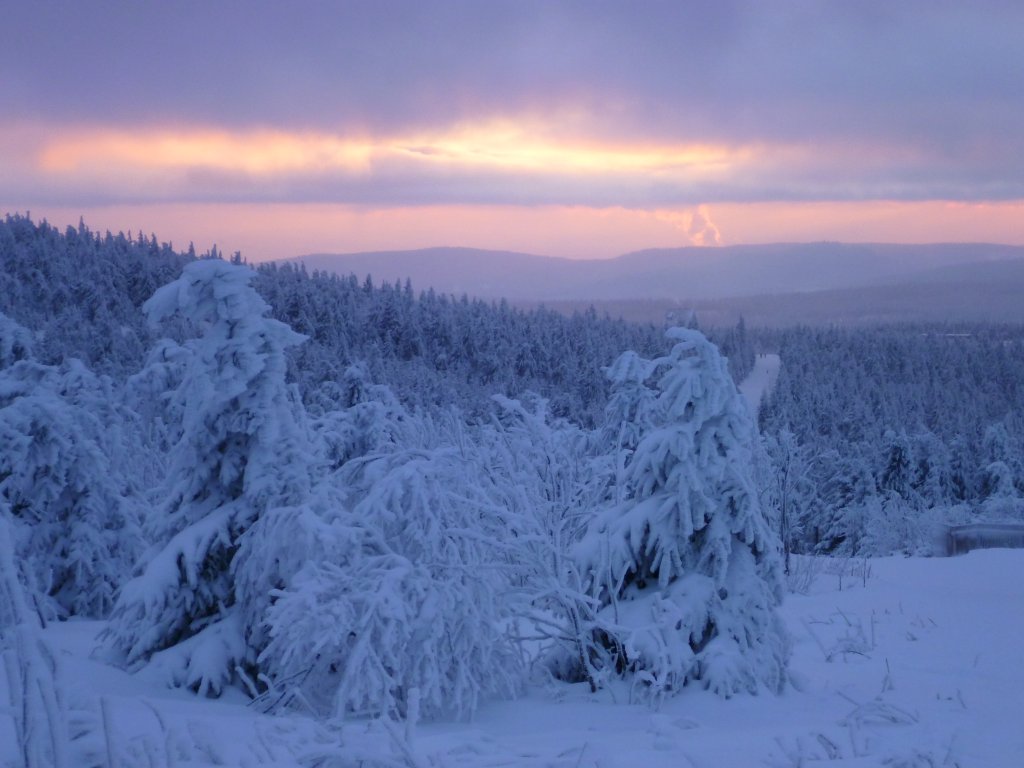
737,72
692,108
525,161
255,153
517,145
522,160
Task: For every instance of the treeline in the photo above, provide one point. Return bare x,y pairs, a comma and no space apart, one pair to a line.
81,294
437,351
881,434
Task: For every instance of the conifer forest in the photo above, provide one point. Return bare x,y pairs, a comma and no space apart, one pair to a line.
362,500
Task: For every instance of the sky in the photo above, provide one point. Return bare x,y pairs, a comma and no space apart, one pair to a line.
579,129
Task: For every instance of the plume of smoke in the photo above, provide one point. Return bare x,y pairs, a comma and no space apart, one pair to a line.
696,223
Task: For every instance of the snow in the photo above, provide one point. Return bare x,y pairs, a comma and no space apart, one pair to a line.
896,661
692,512
760,380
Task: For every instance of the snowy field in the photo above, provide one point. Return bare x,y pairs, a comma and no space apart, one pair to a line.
896,662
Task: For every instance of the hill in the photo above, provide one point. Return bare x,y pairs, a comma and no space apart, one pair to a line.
981,292
768,285
686,274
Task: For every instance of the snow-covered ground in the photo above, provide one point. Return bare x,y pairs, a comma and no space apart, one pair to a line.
760,380
896,662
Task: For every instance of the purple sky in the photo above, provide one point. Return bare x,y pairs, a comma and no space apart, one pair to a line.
384,124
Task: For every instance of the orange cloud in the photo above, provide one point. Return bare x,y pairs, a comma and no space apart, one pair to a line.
260,152
493,145
530,160
527,146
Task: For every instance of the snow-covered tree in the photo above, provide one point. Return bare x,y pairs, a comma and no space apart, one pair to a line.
1000,471
1003,501
358,417
687,564
29,668
541,472
933,472
15,342
628,414
790,490
890,525
401,604
240,463
896,474
846,488
75,516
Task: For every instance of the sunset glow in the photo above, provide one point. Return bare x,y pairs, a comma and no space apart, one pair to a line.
518,147
257,153
265,231
499,146
555,130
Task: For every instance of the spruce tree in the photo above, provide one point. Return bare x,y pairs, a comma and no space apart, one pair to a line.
689,547
241,458
74,514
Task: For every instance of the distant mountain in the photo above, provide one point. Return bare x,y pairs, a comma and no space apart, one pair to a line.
473,271
977,292
677,274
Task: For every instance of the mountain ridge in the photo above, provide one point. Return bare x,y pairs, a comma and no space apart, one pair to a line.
683,274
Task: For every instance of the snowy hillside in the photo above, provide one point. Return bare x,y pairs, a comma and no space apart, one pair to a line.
897,662
248,512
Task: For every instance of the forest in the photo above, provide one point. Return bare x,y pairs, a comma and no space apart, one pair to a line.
368,501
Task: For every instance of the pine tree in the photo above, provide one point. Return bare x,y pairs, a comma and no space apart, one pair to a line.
15,342
61,474
846,490
692,539
628,413
241,459
791,490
